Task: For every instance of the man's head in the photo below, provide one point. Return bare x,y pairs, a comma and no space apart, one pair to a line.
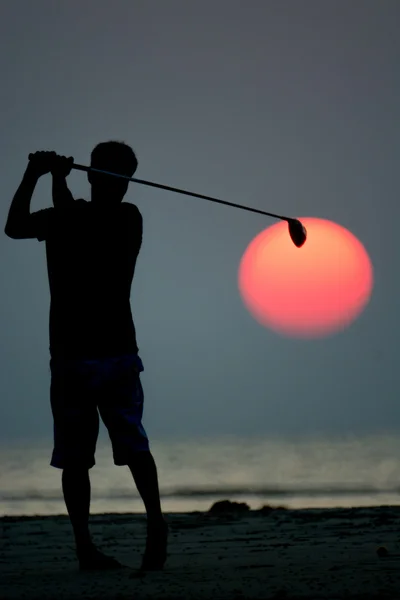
115,157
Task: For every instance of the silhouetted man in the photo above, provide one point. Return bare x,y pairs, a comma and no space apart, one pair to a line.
91,250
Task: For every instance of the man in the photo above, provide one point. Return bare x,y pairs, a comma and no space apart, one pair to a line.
91,250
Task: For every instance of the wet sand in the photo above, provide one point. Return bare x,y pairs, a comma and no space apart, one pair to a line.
275,553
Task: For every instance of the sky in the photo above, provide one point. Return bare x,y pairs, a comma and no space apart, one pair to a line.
285,106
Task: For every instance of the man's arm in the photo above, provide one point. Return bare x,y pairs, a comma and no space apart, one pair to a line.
134,226
17,226
62,196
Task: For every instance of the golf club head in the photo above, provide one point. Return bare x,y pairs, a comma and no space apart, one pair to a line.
297,232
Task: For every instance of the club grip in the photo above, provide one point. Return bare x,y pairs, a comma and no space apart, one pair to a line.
74,166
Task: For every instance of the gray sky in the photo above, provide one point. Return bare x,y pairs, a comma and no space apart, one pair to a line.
285,105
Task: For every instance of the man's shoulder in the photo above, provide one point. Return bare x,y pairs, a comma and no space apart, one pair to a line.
77,204
130,208
131,212
128,212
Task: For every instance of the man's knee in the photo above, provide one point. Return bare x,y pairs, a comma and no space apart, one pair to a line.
76,469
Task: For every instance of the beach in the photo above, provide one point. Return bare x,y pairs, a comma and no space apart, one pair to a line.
230,553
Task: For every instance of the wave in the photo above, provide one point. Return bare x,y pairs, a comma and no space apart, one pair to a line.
211,492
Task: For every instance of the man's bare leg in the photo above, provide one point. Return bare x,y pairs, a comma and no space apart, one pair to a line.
144,472
76,489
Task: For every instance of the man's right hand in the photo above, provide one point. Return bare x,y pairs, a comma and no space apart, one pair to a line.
40,163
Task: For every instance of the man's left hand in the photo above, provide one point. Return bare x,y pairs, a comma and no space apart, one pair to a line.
61,166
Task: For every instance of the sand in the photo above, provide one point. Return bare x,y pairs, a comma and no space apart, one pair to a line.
279,553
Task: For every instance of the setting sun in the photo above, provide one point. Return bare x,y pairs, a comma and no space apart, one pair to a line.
306,292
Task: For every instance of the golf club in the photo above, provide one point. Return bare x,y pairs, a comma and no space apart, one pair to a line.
297,231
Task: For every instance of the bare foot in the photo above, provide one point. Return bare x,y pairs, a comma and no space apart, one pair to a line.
156,547
91,559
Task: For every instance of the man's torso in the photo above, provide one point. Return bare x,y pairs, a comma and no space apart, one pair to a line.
91,258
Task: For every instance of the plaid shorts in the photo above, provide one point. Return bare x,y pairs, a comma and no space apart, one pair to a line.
79,391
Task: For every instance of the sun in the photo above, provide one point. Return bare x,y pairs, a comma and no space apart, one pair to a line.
307,292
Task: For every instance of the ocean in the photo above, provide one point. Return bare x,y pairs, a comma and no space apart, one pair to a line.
295,472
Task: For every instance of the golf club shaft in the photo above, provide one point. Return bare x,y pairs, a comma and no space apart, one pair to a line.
178,191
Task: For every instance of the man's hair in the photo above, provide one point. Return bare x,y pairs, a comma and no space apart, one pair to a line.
116,153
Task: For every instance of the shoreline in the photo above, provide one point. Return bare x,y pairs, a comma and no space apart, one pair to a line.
132,503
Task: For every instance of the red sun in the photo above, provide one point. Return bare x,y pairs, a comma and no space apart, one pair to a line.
306,292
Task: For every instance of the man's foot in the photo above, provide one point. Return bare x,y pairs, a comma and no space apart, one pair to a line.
91,559
156,547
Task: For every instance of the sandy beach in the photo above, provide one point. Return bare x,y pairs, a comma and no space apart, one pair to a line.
271,553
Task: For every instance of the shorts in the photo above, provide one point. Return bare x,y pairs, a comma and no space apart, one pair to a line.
79,391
